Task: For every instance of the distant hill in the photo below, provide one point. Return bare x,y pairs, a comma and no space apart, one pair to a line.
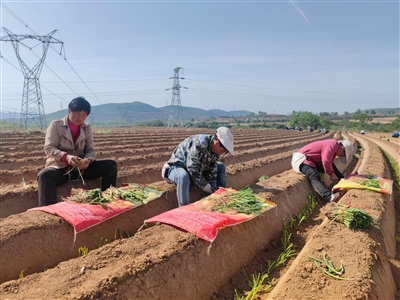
222,113
128,113
10,116
119,113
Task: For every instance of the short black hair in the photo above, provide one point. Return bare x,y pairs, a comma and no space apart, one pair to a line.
79,104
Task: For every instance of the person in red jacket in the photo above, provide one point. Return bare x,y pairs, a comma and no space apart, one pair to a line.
318,157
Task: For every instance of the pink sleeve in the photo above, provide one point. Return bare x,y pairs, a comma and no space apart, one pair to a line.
328,155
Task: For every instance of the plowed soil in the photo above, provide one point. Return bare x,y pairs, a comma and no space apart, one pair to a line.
178,263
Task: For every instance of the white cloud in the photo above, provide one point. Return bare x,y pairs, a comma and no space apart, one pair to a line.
299,10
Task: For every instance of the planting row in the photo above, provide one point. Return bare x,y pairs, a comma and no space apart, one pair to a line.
160,262
369,255
239,175
19,187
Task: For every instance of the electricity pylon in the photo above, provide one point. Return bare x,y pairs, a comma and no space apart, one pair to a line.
175,117
32,108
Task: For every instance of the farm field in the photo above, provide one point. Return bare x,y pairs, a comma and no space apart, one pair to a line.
385,120
162,262
386,142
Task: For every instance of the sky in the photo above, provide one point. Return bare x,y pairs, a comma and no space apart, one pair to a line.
270,56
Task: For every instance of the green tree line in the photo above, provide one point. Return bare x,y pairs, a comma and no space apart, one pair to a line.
358,121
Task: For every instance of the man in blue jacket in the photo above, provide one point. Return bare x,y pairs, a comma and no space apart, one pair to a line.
195,160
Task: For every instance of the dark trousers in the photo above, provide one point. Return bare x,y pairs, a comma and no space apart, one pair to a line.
49,178
315,180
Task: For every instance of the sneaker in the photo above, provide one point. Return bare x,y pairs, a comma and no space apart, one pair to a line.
334,197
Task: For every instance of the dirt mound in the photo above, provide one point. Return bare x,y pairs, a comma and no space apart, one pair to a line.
162,262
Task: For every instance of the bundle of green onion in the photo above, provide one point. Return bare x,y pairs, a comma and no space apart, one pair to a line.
134,194
242,201
352,217
94,196
371,183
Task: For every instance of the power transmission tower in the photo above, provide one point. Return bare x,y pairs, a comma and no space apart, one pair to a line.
32,108
61,110
12,115
175,117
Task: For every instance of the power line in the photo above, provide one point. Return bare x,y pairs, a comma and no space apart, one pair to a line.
32,108
76,73
17,17
26,25
289,90
273,78
83,81
290,99
123,80
122,93
215,92
12,108
43,87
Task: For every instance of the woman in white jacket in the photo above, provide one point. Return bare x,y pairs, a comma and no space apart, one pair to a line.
69,144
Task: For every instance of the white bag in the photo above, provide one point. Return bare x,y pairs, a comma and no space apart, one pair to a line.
297,160
164,171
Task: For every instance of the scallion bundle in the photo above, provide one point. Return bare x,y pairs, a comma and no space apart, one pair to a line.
371,183
242,201
94,197
135,195
352,217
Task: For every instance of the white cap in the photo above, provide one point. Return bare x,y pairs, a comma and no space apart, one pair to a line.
226,138
348,148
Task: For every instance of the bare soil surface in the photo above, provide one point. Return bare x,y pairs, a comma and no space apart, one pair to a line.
360,250
139,156
108,272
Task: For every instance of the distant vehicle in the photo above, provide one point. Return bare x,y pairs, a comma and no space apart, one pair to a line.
395,134
362,132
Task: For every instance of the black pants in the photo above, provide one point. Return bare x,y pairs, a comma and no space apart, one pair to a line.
315,180
49,178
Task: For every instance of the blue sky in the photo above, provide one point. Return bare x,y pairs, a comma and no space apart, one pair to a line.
270,56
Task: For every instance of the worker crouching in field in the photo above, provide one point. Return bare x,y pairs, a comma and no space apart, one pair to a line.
195,160
71,154
317,157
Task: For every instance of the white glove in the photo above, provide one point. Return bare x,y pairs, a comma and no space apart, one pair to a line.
208,189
